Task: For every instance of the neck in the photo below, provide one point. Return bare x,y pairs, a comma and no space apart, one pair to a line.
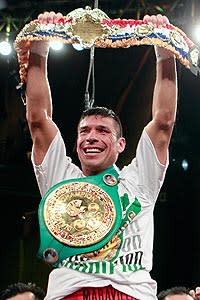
90,172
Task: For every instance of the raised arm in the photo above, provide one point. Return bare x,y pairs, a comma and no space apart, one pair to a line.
38,95
165,96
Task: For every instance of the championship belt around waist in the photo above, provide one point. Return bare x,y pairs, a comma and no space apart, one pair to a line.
77,216
93,28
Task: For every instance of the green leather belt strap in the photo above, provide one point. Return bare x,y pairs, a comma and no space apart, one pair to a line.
77,216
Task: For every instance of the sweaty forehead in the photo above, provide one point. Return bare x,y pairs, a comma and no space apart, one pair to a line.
23,296
96,120
179,297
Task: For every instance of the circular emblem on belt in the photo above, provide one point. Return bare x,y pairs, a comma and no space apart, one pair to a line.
50,255
144,30
109,179
79,213
178,40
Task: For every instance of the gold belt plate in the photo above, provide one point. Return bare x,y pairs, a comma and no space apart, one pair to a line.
79,213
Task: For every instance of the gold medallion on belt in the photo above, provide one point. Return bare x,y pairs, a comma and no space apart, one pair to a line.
79,213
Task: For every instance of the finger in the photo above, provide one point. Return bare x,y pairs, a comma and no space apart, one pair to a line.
43,17
40,18
58,16
50,17
160,21
149,19
153,20
192,293
165,20
197,292
156,20
146,18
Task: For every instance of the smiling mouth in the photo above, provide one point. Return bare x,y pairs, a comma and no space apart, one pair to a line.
92,150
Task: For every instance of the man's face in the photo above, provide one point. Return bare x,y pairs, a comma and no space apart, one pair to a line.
179,297
23,296
98,146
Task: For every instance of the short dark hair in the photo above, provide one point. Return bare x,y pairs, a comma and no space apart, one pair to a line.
20,288
104,112
176,290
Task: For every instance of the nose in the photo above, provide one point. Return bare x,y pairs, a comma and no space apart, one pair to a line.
91,136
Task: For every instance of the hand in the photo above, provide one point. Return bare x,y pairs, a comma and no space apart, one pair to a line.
159,21
195,293
42,47
49,17
156,20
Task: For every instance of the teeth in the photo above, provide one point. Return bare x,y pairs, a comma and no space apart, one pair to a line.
93,150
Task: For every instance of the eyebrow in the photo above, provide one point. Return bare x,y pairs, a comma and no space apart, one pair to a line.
98,127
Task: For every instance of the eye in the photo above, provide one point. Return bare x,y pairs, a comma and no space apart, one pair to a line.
83,131
103,130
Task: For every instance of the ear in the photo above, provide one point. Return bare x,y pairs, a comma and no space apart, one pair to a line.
121,144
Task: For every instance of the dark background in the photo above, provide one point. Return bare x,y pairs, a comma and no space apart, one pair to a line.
124,80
